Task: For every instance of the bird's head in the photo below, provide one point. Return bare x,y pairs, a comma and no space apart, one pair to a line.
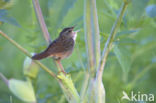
68,33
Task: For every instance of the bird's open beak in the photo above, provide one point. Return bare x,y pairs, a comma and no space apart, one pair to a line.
76,31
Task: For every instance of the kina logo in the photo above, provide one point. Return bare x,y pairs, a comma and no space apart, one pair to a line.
137,96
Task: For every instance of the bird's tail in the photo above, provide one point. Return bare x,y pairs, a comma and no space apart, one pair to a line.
40,56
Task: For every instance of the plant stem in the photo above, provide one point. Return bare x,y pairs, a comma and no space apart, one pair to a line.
100,88
89,37
96,33
27,53
44,27
84,86
41,20
66,83
68,88
109,41
4,78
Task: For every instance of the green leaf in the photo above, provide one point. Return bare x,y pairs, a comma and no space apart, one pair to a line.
5,18
126,41
123,56
30,68
68,4
127,32
9,20
22,89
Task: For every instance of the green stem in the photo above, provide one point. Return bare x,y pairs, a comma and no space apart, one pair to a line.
66,83
110,41
27,53
84,87
100,88
44,27
89,37
68,88
96,33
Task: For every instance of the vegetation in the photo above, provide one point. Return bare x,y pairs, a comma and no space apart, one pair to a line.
115,50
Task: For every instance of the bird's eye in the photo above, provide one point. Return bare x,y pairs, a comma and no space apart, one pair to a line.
69,31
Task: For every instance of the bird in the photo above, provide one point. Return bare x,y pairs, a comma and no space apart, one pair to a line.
62,47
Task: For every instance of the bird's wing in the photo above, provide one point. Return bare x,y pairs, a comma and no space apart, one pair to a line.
59,46
54,47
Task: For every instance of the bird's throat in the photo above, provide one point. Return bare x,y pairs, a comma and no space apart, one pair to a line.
75,35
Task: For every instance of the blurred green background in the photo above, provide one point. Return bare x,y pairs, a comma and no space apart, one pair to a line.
131,64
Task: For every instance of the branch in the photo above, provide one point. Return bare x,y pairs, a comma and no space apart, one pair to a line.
44,28
41,20
4,78
110,41
64,80
27,53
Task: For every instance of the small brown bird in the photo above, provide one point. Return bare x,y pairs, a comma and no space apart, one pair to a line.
60,48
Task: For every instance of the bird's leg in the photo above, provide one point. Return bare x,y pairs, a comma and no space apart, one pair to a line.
58,62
